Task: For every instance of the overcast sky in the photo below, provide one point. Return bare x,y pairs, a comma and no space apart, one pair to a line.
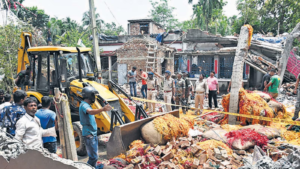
123,10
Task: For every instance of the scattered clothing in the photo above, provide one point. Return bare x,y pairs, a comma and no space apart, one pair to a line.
30,131
10,116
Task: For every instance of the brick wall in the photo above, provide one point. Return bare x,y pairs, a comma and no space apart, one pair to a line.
134,29
155,29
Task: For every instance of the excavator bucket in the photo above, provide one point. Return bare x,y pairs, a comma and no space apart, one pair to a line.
123,135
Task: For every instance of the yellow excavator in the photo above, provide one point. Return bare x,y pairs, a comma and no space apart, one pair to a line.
71,69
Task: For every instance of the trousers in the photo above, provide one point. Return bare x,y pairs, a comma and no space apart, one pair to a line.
180,101
167,99
151,95
91,144
51,147
212,95
199,99
132,88
144,91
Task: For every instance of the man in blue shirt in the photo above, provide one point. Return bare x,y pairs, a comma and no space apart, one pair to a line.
11,114
88,122
48,120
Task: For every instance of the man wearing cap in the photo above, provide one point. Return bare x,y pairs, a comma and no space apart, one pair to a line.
151,95
188,86
132,81
180,92
169,89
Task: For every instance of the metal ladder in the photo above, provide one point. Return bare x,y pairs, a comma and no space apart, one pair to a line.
151,57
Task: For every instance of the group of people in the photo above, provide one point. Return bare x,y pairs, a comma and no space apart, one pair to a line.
22,120
177,89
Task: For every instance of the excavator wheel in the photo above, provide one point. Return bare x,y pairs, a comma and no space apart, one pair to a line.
79,141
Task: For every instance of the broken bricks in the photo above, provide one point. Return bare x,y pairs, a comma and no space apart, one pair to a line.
168,156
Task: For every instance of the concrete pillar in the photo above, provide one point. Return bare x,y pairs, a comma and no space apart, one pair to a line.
217,65
237,72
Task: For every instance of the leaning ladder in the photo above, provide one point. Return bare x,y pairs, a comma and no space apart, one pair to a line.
151,57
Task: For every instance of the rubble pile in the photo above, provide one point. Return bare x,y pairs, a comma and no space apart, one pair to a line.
288,89
257,104
11,149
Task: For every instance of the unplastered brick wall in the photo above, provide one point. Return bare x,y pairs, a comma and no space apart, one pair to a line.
156,29
134,28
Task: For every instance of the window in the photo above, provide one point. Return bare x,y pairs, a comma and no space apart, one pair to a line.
226,63
72,64
144,28
206,64
42,72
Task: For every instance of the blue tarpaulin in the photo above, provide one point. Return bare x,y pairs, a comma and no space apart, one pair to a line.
268,39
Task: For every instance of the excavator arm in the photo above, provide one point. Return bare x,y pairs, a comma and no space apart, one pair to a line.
25,43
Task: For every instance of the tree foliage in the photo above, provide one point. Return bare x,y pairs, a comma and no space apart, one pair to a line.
9,43
70,38
162,13
276,16
207,10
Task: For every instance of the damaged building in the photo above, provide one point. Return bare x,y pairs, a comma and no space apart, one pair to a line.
196,51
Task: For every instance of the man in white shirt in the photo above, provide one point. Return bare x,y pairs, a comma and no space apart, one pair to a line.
28,128
7,99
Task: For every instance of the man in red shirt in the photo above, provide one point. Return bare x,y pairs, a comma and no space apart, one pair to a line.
213,87
143,75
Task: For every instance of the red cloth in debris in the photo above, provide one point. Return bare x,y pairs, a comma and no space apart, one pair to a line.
293,64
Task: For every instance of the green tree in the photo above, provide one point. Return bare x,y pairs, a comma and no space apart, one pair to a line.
70,38
9,43
69,24
55,25
112,29
86,20
276,16
204,10
162,13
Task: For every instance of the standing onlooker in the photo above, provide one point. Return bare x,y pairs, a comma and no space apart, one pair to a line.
132,81
7,99
144,77
49,37
297,106
11,114
152,87
180,92
168,88
47,118
172,98
201,90
88,122
213,87
188,86
28,128
1,96
273,84
265,80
